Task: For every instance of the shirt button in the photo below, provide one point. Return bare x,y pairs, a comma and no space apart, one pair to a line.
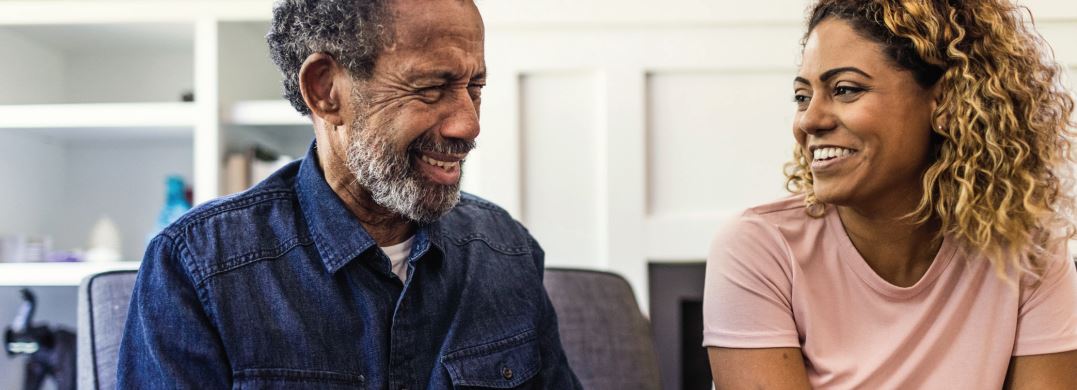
506,372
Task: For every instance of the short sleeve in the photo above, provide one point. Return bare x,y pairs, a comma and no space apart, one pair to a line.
747,296
1047,317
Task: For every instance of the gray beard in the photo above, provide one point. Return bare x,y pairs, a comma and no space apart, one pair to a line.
392,180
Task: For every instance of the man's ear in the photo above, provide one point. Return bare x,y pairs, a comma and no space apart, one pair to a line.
320,83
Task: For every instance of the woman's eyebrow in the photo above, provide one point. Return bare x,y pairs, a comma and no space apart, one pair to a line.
846,69
833,72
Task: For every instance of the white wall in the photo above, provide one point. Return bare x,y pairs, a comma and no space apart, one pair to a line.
124,180
91,64
30,190
626,132
246,71
112,76
60,188
620,132
561,173
619,143
35,72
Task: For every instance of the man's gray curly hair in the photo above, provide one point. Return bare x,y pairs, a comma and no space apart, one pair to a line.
352,31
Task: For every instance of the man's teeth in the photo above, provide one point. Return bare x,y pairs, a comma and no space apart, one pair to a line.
829,153
438,163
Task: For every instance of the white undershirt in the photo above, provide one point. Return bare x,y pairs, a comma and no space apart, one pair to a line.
398,257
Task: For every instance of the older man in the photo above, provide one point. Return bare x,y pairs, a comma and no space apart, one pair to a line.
360,265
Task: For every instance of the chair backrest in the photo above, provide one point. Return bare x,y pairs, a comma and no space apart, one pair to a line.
606,338
103,302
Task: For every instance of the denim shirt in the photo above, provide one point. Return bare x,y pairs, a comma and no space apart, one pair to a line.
281,287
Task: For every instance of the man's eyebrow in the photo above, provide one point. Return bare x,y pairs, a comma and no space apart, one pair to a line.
444,75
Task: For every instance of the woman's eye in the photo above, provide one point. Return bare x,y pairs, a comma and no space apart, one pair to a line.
845,90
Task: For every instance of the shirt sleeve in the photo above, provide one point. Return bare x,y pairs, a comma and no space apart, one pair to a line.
1047,318
747,295
169,341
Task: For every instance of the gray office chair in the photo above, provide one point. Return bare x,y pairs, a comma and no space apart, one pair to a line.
103,302
606,338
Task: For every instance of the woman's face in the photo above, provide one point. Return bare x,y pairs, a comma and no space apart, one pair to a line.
864,123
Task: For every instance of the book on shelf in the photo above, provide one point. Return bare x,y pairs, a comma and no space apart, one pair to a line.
245,168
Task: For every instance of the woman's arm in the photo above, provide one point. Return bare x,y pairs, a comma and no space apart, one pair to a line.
748,320
1043,372
759,368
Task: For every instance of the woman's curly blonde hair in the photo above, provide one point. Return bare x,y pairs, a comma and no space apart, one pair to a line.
1001,179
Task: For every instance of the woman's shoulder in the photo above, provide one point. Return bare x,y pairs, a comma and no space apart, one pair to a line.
788,214
778,224
791,206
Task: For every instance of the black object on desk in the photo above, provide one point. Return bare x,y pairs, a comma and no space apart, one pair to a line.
51,351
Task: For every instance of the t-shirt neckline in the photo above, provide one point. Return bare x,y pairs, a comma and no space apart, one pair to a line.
851,257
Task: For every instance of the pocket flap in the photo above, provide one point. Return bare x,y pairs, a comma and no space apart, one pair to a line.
501,364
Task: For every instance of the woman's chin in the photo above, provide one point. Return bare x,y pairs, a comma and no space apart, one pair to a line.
831,195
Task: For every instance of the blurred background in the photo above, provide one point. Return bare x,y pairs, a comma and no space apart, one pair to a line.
621,133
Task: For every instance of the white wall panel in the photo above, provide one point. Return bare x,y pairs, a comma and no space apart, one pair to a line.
693,120
618,235
717,140
560,128
548,13
1060,36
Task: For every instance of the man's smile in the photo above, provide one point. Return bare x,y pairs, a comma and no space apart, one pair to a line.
441,168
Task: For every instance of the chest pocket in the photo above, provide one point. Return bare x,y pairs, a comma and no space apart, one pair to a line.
504,364
273,378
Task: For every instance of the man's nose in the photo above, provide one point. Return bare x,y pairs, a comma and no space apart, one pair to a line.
462,119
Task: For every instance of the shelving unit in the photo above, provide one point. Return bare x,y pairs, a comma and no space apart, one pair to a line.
97,111
97,115
265,113
56,274
100,121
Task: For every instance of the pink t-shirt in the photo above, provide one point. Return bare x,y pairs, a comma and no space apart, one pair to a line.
779,278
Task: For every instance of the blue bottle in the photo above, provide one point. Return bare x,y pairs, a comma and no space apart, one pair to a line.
175,203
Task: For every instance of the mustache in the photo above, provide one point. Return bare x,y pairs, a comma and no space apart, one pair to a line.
429,143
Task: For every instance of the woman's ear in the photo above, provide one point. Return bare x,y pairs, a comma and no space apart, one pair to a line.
938,120
320,84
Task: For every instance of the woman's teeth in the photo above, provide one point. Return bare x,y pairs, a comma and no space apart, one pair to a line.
438,163
831,152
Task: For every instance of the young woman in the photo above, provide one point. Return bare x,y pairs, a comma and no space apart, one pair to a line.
924,247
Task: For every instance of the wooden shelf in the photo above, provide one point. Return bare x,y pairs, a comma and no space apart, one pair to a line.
56,274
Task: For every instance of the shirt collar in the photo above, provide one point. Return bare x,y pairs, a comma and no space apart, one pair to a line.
338,236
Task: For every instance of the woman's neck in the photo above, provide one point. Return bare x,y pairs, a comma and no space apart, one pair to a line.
894,246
